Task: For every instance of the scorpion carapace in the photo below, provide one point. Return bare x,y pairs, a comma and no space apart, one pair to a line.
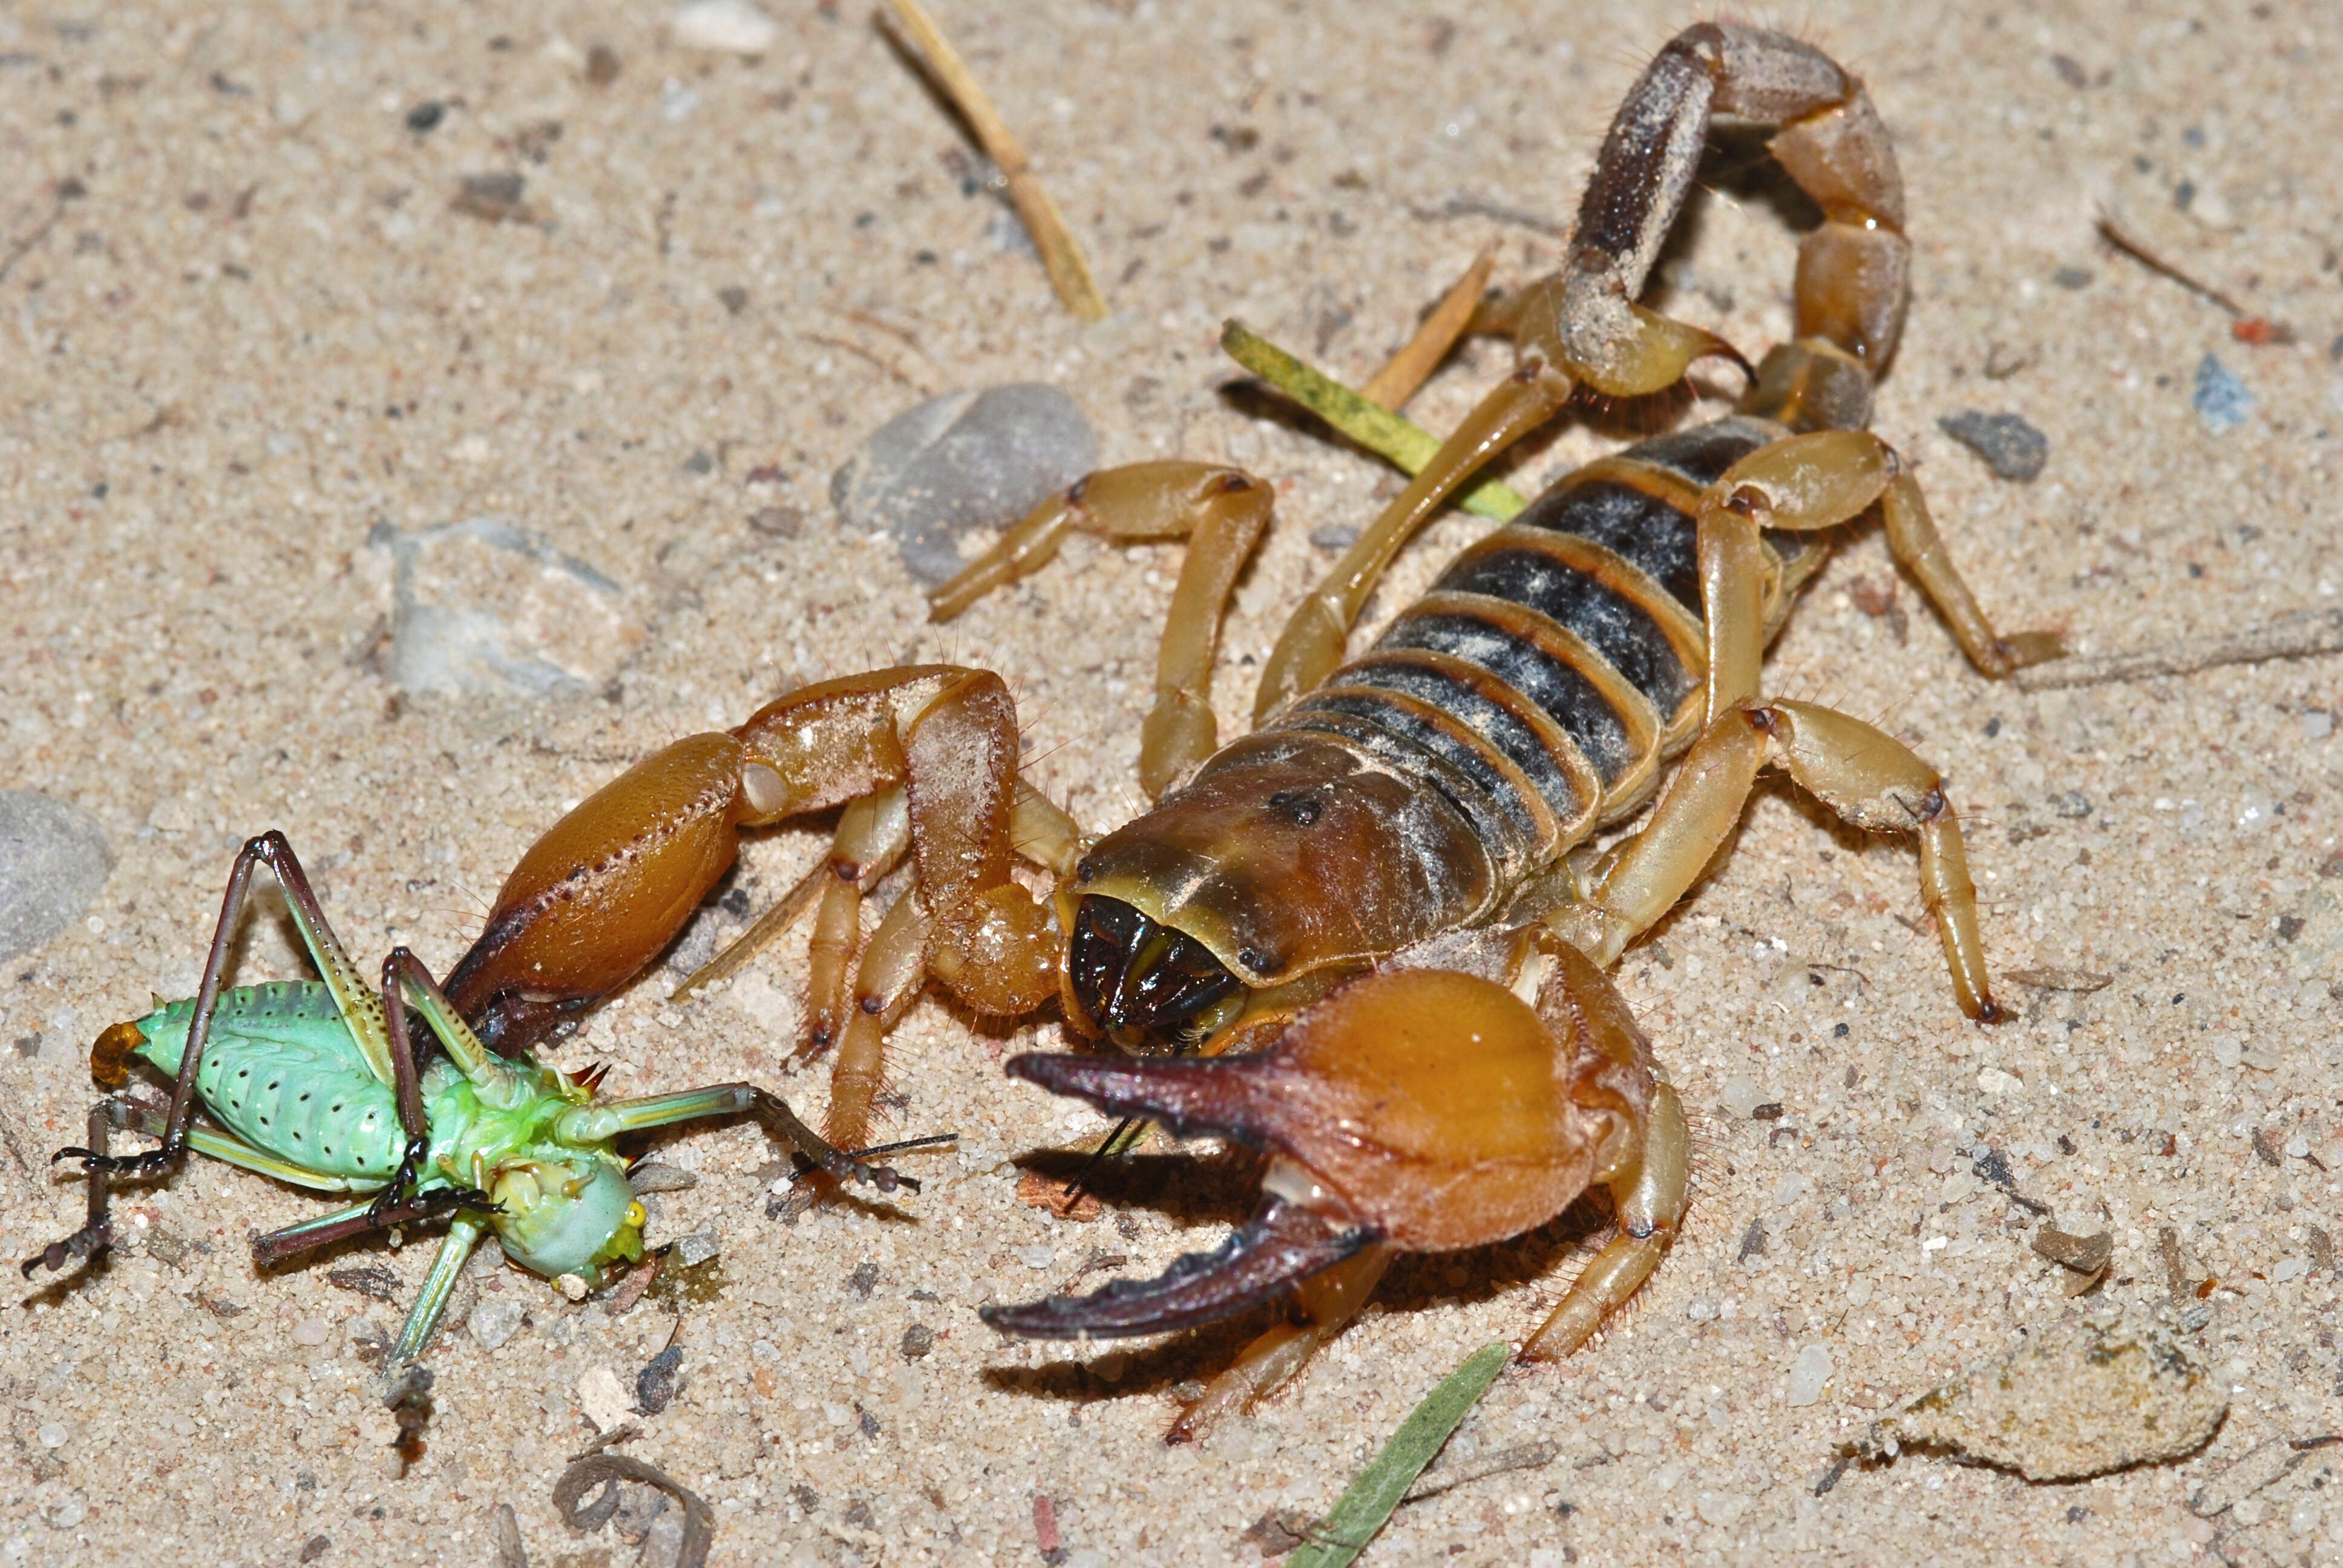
1439,782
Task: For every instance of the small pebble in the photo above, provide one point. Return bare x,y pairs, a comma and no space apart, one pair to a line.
655,1385
2317,724
724,27
68,1513
601,1398
2076,1399
602,67
1037,1257
52,1434
2010,446
695,1249
2220,399
494,1322
493,197
918,1341
1994,1081
53,858
573,1287
425,115
777,522
1809,1375
1741,1096
2072,277
2074,805
963,461
312,1332
1334,536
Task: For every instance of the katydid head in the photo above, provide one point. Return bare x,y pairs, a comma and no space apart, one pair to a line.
573,1214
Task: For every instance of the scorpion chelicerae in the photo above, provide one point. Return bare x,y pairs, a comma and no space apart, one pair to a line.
1318,941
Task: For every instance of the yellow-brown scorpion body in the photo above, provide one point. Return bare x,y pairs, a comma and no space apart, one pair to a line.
1275,940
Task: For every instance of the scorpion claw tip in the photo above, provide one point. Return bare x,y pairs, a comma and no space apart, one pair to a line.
1282,1245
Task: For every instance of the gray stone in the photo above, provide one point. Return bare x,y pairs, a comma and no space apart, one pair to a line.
2010,446
53,858
1809,1375
2111,1389
966,460
496,1319
483,606
2222,401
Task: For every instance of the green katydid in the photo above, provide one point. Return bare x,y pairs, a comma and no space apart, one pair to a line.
315,1082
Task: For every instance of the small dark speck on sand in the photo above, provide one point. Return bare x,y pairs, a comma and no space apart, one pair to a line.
2010,446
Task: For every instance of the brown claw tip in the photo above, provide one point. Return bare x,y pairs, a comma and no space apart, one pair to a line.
1991,1011
1281,1246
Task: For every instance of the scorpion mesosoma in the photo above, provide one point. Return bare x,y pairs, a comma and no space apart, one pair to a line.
317,1084
1269,939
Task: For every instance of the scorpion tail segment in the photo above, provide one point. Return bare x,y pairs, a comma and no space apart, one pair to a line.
1284,1244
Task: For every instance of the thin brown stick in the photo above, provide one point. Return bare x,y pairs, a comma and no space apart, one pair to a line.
1448,1477
1069,270
786,912
2113,233
1413,365
2298,636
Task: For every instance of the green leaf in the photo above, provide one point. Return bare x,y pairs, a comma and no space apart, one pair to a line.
1377,1490
1407,446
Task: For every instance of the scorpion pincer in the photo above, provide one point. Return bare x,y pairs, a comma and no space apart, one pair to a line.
1241,937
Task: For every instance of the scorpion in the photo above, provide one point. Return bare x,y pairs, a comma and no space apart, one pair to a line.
1371,938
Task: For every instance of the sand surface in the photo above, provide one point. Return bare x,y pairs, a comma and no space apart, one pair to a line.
253,340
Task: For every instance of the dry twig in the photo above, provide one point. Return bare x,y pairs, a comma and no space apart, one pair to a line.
2297,636
1413,365
1069,270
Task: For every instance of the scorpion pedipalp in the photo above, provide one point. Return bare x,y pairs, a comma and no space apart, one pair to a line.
1412,1110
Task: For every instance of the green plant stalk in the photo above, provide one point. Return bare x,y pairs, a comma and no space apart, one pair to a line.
1406,446
1369,1503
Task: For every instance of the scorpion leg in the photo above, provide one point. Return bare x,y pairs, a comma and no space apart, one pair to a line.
1412,1110
872,835
1314,637
1219,511
1912,536
948,736
1866,778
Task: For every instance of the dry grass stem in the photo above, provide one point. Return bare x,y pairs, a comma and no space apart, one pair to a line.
2298,636
1069,270
1413,365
